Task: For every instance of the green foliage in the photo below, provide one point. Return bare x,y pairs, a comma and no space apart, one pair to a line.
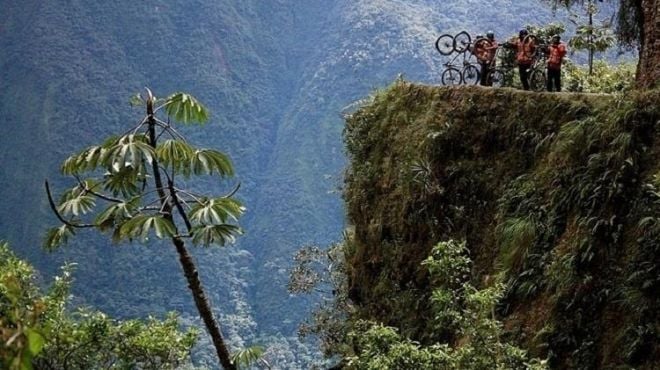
589,36
184,159
277,120
92,340
21,332
629,18
122,166
472,322
449,265
247,357
592,38
382,347
605,78
546,31
37,330
185,108
138,228
57,236
516,237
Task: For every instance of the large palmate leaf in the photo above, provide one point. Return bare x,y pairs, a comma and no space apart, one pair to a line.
208,161
185,109
208,235
185,159
175,154
116,214
130,150
140,226
247,357
215,211
125,181
88,159
57,236
77,205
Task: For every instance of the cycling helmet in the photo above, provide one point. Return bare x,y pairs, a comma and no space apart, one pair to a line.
556,37
490,35
523,32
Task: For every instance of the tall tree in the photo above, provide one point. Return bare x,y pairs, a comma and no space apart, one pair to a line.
589,36
638,24
648,70
134,176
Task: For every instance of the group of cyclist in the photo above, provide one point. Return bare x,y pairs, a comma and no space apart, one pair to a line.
525,48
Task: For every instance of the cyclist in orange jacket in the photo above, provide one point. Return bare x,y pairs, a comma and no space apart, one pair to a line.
487,58
555,52
524,56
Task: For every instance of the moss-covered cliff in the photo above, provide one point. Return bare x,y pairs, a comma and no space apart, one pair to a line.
560,192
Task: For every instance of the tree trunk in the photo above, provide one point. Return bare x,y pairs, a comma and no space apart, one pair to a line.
648,69
187,263
591,40
202,304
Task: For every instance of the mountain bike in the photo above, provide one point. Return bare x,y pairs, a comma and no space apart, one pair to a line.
538,70
496,75
458,72
465,71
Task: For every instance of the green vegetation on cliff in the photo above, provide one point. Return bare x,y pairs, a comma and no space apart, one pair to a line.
560,193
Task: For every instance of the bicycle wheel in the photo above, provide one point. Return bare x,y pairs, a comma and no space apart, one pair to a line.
462,41
451,76
471,75
479,49
497,78
537,80
445,44
530,52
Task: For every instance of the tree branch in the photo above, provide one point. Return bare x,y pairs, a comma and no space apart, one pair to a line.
179,207
231,193
195,197
171,130
99,195
134,129
57,213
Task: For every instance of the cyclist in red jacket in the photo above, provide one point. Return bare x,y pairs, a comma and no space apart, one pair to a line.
555,52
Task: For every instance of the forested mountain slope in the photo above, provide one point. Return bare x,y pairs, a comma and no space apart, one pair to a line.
274,74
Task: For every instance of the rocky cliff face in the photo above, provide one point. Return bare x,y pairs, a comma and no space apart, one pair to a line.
558,192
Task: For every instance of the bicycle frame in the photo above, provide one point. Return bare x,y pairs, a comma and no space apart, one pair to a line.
466,59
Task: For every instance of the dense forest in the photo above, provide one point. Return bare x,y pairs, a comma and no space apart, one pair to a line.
279,80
